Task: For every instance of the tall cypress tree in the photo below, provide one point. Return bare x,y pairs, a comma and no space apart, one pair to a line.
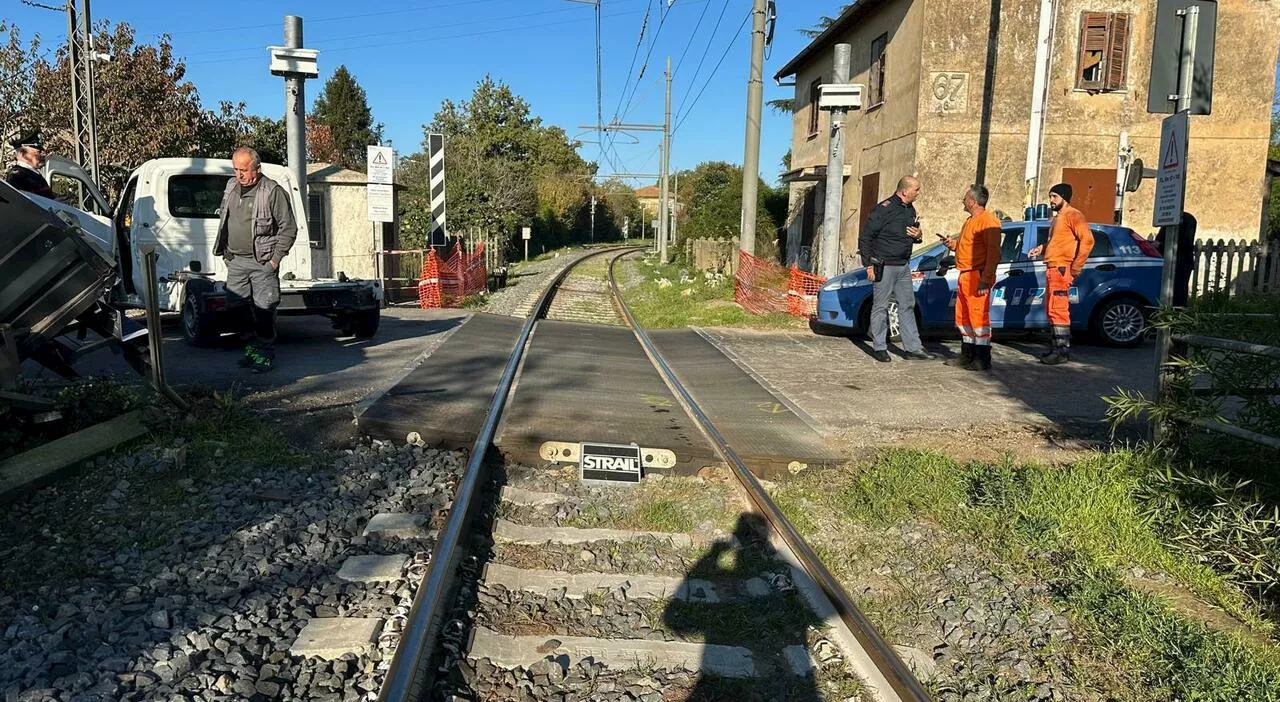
344,109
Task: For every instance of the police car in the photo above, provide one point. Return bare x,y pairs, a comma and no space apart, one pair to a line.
1110,299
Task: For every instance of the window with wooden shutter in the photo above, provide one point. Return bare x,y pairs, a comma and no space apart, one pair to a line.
1103,60
1118,52
315,219
814,92
876,92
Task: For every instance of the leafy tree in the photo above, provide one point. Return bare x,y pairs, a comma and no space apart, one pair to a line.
321,147
503,169
344,108
230,127
620,206
146,107
712,198
825,21
17,78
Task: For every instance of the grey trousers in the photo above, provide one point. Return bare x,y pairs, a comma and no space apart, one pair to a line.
255,286
895,284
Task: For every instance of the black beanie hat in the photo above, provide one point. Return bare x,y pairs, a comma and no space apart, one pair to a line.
1063,190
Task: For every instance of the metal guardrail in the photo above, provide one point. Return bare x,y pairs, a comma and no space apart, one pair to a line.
886,660
412,673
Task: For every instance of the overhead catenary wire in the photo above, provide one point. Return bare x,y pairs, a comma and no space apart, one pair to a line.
732,42
706,50
463,35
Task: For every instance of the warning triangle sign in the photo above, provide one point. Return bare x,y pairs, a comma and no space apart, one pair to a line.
1171,158
379,159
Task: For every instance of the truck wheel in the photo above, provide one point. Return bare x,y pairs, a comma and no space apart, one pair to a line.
197,326
364,324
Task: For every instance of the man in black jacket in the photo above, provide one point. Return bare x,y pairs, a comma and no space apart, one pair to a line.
1186,251
28,158
885,244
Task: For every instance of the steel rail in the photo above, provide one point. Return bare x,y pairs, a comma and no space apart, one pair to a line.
885,659
412,672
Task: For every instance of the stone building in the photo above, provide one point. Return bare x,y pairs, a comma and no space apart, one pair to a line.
949,98
343,240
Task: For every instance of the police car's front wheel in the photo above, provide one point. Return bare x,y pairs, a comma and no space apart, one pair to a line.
1120,321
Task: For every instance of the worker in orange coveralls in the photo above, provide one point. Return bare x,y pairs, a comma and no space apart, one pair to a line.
1070,242
977,255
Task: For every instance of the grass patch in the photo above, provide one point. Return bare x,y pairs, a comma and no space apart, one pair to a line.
671,296
1082,527
678,505
82,404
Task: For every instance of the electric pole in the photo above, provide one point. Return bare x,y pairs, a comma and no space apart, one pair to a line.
755,102
295,100
593,215
832,214
664,171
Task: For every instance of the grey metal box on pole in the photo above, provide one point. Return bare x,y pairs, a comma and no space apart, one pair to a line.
1164,88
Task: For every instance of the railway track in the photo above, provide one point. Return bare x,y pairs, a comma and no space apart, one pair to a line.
541,587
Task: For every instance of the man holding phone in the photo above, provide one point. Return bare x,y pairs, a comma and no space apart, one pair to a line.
977,255
885,244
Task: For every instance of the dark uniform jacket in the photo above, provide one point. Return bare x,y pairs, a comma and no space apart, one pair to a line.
884,241
28,180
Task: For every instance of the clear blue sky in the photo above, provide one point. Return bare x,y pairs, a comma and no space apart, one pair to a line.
409,55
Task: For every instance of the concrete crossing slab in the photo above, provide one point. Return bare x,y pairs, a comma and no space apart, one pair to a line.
512,533
445,398
590,382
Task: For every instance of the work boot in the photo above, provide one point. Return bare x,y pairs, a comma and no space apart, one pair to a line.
981,359
262,364
965,357
250,353
1056,358
881,356
920,355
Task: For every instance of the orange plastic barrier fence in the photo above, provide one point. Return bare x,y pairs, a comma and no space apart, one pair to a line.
446,283
764,287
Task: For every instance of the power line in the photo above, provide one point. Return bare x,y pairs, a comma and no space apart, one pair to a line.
463,35
694,35
337,18
711,40
715,70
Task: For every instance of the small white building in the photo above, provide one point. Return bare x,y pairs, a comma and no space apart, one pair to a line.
343,240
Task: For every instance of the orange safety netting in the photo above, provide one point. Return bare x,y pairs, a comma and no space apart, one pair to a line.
764,287
446,283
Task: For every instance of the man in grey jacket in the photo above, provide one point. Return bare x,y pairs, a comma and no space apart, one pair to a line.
256,229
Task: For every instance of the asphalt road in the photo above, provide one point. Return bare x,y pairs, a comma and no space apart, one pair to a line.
319,378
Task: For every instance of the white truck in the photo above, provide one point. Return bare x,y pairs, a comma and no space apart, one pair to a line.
173,204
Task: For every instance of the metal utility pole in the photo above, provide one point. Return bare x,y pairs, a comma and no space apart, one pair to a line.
593,217
1186,74
755,103
84,104
664,172
832,214
295,117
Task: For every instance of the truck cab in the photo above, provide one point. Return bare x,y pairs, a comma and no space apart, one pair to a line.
173,204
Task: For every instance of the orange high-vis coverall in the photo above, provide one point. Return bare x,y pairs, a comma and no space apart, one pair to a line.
977,255
1070,242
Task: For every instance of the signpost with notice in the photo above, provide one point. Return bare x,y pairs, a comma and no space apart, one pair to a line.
526,233
1171,178
380,188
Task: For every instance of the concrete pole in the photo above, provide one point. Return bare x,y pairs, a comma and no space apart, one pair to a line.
1186,74
1039,90
755,103
593,217
832,215
295,115
663,171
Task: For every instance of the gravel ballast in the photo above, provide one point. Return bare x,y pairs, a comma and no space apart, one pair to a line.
129,582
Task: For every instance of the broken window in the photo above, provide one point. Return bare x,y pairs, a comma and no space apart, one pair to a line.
815,91
1103,61
876,93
